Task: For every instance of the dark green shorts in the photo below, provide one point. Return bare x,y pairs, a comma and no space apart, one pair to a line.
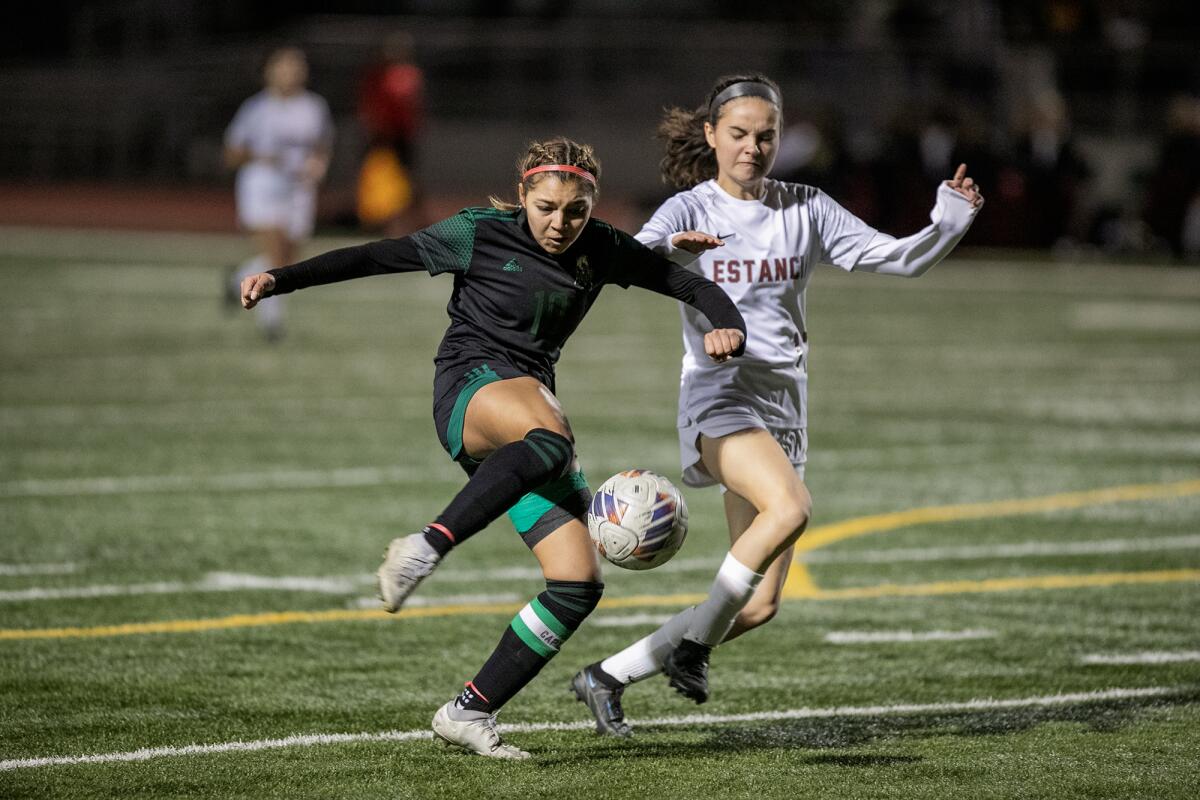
540,512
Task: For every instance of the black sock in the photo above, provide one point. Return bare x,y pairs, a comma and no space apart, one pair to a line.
522,651
499,482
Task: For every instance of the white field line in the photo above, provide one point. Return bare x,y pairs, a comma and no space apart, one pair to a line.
448,600
213,582
38,569
235,482
700,563
1019,550
188,412
1147,657
231,581
336,585
629,620
311,740
879,637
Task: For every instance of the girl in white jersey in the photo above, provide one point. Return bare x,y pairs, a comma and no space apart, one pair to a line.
742,423
279,141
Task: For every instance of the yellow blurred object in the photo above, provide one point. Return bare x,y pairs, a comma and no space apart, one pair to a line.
385,189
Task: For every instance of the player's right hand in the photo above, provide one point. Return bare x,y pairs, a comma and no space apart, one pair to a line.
255,288
696,242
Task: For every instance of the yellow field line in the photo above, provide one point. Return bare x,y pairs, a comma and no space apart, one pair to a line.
336,615
1005,584
800,582
878,523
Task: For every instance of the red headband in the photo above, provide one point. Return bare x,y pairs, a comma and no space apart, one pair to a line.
580,171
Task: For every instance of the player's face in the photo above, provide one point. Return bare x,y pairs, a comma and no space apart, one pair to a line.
557,211
287,73
745,140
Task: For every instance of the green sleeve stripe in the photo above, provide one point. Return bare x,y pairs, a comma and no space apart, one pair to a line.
549,619
533,642
447,246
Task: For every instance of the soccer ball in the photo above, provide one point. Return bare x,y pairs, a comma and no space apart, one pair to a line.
637,519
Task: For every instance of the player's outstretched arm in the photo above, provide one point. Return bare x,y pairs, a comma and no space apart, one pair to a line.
377,258
958,201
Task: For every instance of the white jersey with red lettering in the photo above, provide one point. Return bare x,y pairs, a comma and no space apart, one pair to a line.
772,245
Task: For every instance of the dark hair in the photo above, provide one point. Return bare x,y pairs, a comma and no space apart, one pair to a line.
689,160
559,150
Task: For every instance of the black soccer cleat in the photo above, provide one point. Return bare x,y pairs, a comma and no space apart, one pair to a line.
687,668
603,701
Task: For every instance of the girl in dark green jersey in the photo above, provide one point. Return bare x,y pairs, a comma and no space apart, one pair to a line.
524,276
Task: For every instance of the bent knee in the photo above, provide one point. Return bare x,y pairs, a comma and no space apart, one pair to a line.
792,514
755,614
555,450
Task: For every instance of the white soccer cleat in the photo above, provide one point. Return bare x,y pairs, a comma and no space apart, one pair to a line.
474,735
407,562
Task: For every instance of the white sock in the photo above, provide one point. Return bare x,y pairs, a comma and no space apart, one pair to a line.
732,589
644,658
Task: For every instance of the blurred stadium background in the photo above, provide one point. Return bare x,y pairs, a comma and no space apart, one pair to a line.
1080,117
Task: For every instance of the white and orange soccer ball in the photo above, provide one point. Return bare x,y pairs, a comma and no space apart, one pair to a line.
637,519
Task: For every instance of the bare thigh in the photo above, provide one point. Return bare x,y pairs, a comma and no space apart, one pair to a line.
752,465
504,411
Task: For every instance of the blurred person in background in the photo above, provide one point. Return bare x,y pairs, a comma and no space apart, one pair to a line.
1040,185
922,145
1173,194
279,142
391,109
743,424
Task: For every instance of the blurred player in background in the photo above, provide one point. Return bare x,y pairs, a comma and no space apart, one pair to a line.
524,277
742,424
391,109
280,142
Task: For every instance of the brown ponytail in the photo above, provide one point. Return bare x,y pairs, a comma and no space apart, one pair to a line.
689,160
559,150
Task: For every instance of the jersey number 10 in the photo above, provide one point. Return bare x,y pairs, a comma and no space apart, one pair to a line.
551,308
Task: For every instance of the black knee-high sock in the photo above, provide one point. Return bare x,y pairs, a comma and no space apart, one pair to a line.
531,639
498,482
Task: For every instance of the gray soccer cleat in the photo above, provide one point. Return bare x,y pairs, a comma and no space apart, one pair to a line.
603,701
408,561
474,735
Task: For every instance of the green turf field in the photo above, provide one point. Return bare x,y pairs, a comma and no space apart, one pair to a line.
191,518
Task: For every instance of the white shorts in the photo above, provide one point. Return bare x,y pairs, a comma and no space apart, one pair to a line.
266,198
719,400
794,442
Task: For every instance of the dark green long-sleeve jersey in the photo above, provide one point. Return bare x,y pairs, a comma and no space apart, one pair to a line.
512,299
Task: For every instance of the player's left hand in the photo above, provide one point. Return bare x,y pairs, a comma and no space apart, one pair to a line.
722,343
696,242
966,186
